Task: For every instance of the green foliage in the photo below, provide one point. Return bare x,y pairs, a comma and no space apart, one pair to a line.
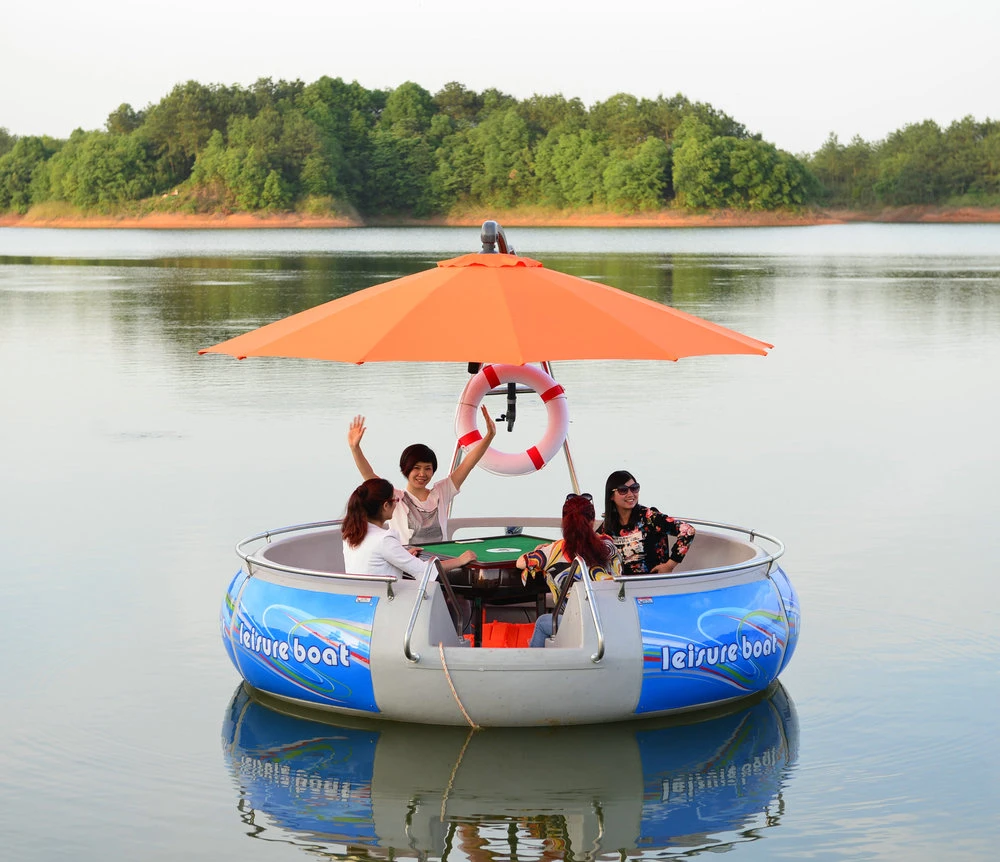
124,120
24,173
638,181
918,164
101,170
571,167
282,145
408,110
458,103
712,171
506,177
7,141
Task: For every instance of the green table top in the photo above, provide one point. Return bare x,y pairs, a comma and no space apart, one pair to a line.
491,549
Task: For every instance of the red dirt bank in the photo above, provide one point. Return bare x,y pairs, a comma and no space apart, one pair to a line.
517,218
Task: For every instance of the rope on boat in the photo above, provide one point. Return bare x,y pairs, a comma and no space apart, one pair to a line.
451,685
454,772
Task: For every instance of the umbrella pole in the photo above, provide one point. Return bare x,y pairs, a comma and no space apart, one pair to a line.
547,366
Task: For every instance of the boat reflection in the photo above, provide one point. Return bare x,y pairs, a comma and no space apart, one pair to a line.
385,790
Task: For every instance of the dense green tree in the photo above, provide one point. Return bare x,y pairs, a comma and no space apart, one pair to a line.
124,120
506,178
399,174
846,174
621,122
638,181
457,162
408,110
457,102
543,114
909,166
570,168
991,161
714,171
180,124
24,173
7,141
101,170
700,166
345,114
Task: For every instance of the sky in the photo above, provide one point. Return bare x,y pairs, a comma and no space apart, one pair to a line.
792,70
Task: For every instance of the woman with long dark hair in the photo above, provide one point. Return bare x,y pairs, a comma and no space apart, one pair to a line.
579,540
422,516
370,548
641,533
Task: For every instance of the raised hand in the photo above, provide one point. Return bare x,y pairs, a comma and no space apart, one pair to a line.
491,426
355,431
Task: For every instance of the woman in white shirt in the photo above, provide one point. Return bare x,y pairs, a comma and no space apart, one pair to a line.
370,548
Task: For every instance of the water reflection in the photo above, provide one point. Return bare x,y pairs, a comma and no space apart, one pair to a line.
384,790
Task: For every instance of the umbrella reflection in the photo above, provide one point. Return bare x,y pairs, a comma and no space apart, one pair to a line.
385,790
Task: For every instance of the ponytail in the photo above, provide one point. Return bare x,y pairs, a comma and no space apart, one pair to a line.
364,504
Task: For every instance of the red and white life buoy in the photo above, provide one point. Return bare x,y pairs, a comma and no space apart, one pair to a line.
552,395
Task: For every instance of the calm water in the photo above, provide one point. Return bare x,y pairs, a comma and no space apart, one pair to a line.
129,466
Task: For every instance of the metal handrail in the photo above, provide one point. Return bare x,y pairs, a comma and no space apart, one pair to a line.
411,656
585,571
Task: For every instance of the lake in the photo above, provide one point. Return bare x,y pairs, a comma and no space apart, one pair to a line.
131,466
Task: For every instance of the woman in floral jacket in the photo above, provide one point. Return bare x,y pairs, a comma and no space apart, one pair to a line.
641,533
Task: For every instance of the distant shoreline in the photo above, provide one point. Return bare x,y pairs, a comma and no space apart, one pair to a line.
514,218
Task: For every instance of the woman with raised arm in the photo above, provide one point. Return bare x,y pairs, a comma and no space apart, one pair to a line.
641,533
372,549
579,540
422,516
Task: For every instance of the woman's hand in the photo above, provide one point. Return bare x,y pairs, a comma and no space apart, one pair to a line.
416,552
491,426
665,568
458,562
355,431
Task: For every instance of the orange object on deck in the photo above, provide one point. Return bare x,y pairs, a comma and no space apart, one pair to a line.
507,635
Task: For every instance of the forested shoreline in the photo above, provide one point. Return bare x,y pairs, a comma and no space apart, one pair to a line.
337,152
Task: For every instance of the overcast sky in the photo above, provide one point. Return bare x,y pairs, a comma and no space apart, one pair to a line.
793,70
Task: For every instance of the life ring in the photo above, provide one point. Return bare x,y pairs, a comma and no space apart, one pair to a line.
551,393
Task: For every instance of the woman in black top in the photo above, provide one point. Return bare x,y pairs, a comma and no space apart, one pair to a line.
641,533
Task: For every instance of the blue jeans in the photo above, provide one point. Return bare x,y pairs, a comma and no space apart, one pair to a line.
543,630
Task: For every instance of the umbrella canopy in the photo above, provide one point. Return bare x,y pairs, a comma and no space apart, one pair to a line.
489,308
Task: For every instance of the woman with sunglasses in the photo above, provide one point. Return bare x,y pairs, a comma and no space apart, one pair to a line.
579,540
370,548
641,533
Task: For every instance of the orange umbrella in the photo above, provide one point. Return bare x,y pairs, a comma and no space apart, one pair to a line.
489,308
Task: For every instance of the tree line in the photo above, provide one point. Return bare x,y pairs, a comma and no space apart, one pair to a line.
332,146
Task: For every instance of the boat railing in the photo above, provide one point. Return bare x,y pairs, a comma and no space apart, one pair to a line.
765,558
579,564
431,568
251,559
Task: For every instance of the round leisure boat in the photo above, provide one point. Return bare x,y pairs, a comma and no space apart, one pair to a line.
453,650
721,626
